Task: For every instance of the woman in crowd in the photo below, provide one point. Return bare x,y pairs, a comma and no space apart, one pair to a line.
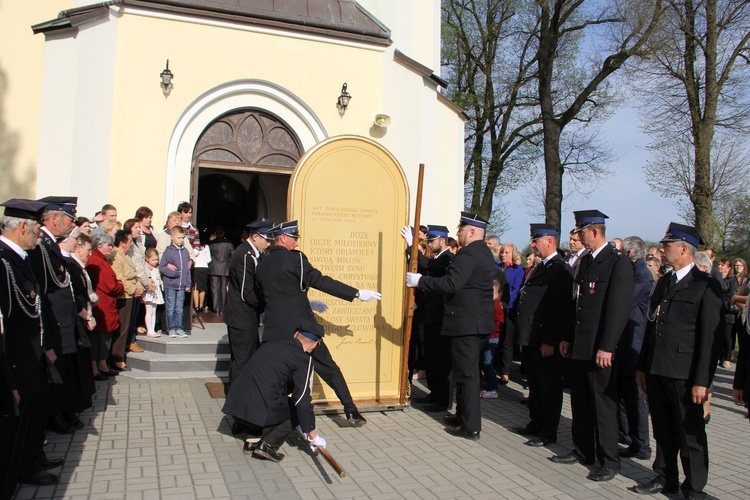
729,288
137,252
106,318
145,215
743,278
84,225
515,273
110,227
126,272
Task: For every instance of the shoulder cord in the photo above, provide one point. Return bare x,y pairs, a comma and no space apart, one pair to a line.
49,271
22,302
244,270
302,288
308,381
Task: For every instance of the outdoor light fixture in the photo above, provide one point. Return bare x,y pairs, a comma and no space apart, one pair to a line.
343,101
166,77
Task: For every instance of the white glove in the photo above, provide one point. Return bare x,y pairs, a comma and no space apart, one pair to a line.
318,306
407,234
318,442
367,295
412,279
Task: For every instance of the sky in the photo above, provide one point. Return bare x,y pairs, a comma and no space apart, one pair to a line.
633,209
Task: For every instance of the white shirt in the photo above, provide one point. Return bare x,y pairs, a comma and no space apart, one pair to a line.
549,257
596,252
20,251
684,271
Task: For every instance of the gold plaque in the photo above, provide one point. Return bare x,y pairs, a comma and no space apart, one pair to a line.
351,199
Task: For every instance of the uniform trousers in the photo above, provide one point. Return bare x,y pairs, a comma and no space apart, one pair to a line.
331,374
438,356
678,429
545,391
593,401
465,353
243,342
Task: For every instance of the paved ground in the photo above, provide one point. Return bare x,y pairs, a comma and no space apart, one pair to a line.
169,439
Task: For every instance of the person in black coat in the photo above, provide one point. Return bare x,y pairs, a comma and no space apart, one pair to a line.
544,305
468,318
633,403
284,277
276,369
436,346
244,303
604,295
24,391
741,384
674,366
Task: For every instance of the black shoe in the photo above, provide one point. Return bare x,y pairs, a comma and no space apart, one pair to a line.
657,485
452,419
603,474
250,445
707,419
524,401
101,377
73,420
458,430
538,441
425,400
525,431
58,425
633,453
41,478
52,463
570,458
265,450
434,408
355,418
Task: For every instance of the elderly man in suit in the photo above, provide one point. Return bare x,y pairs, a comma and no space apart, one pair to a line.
674,366
218,269
603,297
468,319
544,304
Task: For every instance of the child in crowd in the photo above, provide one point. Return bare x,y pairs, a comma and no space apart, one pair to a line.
175,268
200,276
489,349
152,298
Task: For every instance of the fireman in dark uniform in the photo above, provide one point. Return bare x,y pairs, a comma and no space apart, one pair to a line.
284,277
24,396
260,397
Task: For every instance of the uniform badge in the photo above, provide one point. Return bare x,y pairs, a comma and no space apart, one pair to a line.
592,286
32,295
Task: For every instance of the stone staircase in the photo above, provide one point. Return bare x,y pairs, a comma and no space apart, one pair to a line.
204,354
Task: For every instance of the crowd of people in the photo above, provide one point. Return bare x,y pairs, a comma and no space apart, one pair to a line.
635,332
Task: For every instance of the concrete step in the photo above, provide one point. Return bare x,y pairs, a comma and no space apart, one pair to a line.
210,341
178,363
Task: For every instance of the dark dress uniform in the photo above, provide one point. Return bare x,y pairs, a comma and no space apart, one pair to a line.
22,368
468,318
437,347
243,307
83,372
543,317
605,294
684,319
276,369
284,277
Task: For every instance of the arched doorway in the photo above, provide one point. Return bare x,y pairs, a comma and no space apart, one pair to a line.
241,167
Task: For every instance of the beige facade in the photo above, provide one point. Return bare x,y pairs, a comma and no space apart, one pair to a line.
91,119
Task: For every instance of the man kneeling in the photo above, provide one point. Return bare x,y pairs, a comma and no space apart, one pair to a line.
264,384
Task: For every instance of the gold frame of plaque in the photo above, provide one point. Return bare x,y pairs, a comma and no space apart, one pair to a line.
351,197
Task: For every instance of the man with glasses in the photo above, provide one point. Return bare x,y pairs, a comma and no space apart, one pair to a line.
603,298
284,277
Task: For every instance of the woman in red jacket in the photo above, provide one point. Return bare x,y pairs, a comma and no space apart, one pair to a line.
108,288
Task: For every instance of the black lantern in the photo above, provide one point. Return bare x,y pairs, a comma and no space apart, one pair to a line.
343,101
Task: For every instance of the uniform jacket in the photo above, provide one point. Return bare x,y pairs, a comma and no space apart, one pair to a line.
284,277
81,295
108,288
276,369
434,303
125,270
544,304
221,257
605,294
244,301
631,341
22,367
58,304
686,317
467,288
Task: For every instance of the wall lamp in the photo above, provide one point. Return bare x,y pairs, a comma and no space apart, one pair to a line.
166,77
343,101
